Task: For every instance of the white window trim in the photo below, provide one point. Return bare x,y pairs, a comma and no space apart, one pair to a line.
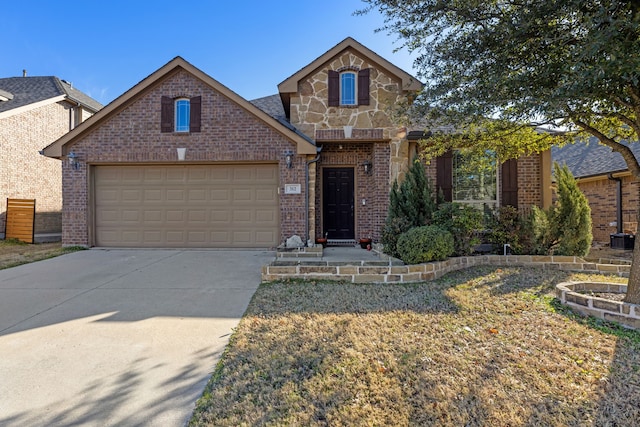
176,113
355,87
478,203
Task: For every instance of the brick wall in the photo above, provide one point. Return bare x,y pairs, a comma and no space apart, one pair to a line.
601,194
132,135
24,173
373,188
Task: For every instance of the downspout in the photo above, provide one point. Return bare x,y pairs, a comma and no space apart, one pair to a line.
318,150
618,202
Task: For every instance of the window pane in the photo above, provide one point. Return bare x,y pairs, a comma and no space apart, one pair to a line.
348,88
475,178
183,111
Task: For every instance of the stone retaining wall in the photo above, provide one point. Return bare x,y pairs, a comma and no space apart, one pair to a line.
576,295
387,272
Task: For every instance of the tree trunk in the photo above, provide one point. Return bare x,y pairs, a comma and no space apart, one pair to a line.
633,288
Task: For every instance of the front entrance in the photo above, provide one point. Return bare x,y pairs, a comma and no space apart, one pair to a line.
338,203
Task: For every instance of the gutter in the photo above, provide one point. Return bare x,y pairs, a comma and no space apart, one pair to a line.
618,201
318,150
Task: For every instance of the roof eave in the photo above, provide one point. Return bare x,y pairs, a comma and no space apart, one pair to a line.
56,149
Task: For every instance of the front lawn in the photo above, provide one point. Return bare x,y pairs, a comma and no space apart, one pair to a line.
485,346
14,253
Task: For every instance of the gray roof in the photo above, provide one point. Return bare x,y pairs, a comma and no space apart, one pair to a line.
589,159
272,105
29,90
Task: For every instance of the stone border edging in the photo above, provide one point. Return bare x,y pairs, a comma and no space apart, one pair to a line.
359,273
628,315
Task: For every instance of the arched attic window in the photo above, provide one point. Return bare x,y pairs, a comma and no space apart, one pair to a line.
180,114
348,87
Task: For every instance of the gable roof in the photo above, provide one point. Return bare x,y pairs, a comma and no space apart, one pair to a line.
25,91
290,85
56,149
592,159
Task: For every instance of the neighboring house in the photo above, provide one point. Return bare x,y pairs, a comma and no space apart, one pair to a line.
180,160
605,180
34,112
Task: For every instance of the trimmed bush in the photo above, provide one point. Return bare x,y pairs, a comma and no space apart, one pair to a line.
424,244
462,222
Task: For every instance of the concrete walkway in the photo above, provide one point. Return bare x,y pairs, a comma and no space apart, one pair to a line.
118,337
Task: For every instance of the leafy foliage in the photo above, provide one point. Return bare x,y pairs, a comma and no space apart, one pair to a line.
496,70
424,244
462,222
507,226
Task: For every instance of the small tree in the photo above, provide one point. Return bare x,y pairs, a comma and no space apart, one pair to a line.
411,204
571,217
565,229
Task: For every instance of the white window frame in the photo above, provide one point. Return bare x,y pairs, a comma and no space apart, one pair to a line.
182,106
478,203
354,100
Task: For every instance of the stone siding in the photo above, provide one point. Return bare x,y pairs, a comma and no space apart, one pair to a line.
131,135
374,138
364,272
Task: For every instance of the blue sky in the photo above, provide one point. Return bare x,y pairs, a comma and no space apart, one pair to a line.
105,48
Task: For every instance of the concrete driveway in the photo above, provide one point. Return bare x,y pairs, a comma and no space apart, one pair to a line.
118,337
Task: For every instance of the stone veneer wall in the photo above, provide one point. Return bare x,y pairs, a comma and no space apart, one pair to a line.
132,136
366,273
374,136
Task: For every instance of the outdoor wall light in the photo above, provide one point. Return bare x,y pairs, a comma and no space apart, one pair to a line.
73,160
288,156
368,167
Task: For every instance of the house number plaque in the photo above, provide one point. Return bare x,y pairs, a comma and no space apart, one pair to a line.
292,189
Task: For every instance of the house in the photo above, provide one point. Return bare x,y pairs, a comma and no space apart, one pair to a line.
602,175
34,112
180,160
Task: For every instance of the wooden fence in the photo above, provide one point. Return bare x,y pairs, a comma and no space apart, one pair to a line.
20,221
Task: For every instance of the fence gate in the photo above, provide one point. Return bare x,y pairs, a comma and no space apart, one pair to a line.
21,216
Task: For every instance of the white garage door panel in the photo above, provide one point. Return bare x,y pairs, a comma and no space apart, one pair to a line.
186,206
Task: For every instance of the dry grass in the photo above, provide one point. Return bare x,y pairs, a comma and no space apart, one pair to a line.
482,347
14,253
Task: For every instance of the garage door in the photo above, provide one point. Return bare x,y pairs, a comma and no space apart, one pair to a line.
186,206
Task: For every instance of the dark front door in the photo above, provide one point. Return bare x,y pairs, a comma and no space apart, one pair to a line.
337,194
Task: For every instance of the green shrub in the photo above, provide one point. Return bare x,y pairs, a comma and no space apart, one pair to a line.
424,244
463,222
507,226
393,228
411,204
565,229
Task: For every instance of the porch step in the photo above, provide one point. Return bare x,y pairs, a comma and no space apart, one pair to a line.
341,242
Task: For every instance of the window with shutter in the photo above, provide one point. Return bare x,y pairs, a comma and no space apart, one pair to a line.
334,88
363,87
510,183
181,114
348,87
166,114
196,113
475,178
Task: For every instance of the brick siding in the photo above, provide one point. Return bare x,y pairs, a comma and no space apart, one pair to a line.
132,135
602,201
24,173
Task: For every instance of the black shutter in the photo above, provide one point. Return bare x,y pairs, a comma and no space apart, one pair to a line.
444,175
363,87
510,183
166,114
195,114
334,88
